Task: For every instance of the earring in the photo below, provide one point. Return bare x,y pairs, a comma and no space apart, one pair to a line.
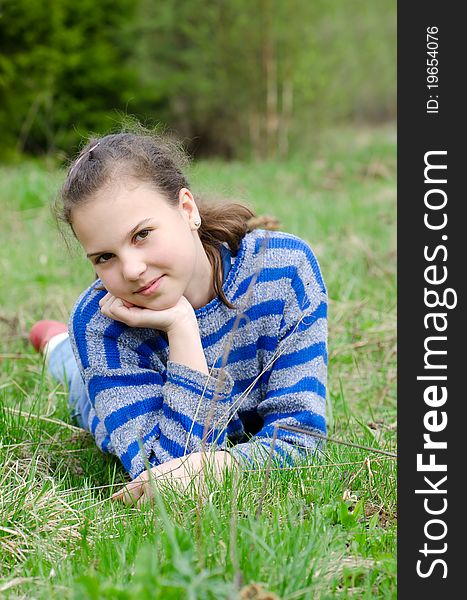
197,223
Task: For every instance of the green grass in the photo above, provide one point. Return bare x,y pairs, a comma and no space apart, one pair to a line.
326,530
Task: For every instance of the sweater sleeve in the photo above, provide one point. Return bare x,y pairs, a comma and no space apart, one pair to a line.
297,373
136,399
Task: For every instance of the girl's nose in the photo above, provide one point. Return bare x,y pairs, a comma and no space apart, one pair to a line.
132,267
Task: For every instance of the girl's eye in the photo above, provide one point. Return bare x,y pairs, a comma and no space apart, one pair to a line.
103,258
142,235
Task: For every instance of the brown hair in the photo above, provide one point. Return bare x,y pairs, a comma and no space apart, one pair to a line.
155,159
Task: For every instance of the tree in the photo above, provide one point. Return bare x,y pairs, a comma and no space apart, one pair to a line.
62,70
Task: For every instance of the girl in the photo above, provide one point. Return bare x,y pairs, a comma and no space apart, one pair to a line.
200,330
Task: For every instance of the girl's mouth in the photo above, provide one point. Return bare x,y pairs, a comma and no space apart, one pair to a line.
151,287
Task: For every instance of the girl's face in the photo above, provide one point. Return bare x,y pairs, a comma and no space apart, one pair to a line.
144,250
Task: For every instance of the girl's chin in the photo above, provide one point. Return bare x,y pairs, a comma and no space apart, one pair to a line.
157,303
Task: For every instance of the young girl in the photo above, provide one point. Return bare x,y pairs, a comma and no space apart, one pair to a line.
199,332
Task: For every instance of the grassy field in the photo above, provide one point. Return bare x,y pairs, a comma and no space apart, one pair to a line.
326,530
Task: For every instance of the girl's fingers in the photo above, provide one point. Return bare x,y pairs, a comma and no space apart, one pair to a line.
110,307
108,300
130,493
127,304
105,299
105,304
137,492
143,500
118,309
118,494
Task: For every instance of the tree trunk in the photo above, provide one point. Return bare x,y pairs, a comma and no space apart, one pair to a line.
284,124
254,126
270,71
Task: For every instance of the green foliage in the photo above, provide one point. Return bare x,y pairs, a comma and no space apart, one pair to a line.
62,70
235,78
255,76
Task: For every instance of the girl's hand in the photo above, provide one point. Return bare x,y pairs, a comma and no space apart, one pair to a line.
135,316
179,471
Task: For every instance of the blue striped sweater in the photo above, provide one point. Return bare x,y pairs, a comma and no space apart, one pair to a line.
267,360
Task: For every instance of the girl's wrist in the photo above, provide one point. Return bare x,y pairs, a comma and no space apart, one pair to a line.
185,345
183,326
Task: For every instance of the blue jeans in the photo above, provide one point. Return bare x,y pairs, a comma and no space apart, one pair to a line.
62,365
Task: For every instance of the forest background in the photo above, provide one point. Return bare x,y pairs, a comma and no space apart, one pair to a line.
234,79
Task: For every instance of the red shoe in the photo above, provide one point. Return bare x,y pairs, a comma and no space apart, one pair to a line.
43,331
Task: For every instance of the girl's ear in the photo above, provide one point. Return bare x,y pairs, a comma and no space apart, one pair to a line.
187,205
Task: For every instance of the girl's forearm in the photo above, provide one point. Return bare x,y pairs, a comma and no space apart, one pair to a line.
185,346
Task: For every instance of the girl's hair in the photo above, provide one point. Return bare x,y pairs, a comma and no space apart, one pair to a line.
150,157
